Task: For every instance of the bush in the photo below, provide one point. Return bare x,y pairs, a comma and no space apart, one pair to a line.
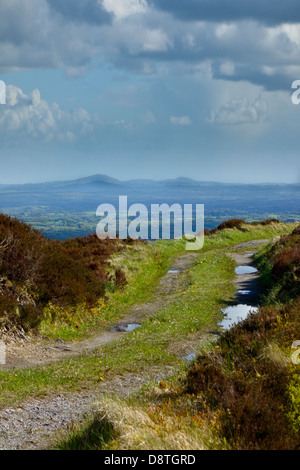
253,394
64,273
296,231
231,223
265,222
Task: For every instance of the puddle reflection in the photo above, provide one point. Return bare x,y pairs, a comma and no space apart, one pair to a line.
235,314
245,270
126,327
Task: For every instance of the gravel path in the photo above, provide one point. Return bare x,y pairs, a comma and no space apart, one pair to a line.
34,424
39,423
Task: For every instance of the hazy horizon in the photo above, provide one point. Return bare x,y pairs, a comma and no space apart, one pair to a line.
58,180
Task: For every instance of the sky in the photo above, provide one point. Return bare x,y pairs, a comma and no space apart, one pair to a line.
149,89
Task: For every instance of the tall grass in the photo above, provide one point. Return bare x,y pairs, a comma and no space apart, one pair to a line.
131,426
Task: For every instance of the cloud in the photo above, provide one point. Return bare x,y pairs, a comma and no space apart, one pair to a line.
71,34
149,118
34,35
238,52
143,37
239,111
88,11
232,10
124,8
122,124
28,117
2,92
180,121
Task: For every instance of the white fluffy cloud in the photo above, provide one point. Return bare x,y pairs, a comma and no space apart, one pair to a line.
239,111
124,8
30,117
180,120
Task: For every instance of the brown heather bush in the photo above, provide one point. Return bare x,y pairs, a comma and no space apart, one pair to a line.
246,379
265,222
284,258
287,258
296,231
63,273
243,381
231,223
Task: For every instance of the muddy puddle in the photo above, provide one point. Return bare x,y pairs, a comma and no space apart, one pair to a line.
245,270
235,314
125,327
244,292
190,357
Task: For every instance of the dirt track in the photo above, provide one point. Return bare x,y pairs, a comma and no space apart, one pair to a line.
34,424
32,352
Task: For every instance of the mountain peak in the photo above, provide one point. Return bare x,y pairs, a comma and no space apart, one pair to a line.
98,178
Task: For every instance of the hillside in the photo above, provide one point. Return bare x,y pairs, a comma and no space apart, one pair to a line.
124,317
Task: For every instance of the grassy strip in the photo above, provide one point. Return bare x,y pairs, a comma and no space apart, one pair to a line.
194,308
231,237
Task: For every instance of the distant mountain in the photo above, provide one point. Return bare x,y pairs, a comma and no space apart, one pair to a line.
68,208
89,184
84,194
180,181
95,179
86,190
100,180
92,183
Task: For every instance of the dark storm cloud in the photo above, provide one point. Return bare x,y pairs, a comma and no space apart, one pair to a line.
88,11
71,34
253,74
265,11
